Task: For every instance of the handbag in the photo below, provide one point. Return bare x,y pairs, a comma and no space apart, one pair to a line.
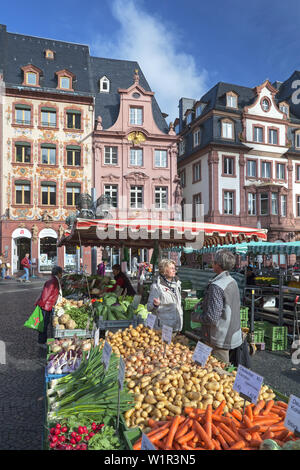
36,320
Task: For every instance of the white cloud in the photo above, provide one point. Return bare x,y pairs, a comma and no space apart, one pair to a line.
158,47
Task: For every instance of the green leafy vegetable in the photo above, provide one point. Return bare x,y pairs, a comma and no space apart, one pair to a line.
106,440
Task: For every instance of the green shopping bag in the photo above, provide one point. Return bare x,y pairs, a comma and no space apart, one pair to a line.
36,320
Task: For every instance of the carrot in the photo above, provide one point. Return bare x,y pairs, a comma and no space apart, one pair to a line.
188,409
269,406
208,420
249,411
255,428
282,404
256,436
158,436
220,408
257,409
230,417
266,421
203,435
238,445
151,423
158,429
247,421
217,444
227,437
187,437
245,434
254,443
172,431
222,441
267,435
183,427
229,431
215,430
176,446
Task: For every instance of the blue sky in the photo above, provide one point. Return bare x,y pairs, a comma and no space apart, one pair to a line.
183,48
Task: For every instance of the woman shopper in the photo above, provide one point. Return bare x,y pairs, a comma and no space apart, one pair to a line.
48,298
165,297
26,264
220,316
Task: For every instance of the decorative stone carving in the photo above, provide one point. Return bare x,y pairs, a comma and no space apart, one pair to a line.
136,176
136,138
99,126
46,217
34,231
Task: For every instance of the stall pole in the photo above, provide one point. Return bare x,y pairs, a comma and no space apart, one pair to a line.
280,316
94,248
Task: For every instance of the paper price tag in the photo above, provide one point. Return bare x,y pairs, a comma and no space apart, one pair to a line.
121,373
106,353
167,332
292,417
248,384
146,443
96,337
201,353
150,320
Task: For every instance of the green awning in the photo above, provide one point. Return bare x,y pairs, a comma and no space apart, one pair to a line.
256,248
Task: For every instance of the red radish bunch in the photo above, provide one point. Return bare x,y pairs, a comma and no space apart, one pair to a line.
61,438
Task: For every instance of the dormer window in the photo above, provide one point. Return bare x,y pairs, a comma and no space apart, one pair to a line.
189,118
104,85
284,108
31,75
65,80
231,100
49,54
265,104
199,109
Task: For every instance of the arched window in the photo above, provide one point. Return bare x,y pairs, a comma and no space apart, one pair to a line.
104,85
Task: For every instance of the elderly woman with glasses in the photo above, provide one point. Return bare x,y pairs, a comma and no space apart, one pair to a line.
165,297
220,316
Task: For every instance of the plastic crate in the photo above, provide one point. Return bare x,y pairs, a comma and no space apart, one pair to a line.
259,331
277,345
131,436
57,333
276,333
244,323
49,377
120,324
244,313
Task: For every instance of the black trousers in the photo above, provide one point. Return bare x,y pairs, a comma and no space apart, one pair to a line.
42,339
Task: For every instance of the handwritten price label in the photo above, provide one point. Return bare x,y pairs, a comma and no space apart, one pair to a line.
166,333
121,373
292,417
106,353
201,353
146,443
150,320
248,384
96,337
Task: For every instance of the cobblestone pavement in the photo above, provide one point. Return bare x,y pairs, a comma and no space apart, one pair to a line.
22,376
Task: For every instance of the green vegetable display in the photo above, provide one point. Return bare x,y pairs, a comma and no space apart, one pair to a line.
106,440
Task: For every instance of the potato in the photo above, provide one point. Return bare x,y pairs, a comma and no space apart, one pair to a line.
150,400
173,408
160,404
128,413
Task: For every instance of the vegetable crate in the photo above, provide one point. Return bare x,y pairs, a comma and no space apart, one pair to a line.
244,317
259,331
131,436
119,324
57,333
275,333
49,377
277,345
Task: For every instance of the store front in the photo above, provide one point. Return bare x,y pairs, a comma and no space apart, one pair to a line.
47,250
21,244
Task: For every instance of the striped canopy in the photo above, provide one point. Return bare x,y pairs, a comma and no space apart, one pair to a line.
256,248
144,232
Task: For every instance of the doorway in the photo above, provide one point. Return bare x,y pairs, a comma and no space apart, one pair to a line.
23,246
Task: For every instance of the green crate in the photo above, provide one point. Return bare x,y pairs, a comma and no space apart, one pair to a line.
244,323
244,313
259,331
277,345
276,333
131,436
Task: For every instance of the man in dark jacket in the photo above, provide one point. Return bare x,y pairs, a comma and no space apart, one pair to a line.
122,281
48,299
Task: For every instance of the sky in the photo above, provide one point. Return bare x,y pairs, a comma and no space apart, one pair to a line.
183,47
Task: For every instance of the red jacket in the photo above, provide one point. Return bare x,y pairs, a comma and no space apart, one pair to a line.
25,263
49,294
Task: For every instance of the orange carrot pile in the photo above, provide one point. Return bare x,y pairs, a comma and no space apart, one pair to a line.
212,430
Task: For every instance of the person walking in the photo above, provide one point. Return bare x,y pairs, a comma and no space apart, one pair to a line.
3,266
48,298
101,268
220,316
122,281
26,264
165,297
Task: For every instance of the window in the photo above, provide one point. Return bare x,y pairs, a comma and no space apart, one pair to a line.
228,166
258,134
251,168
49,54
280,171
283,206
73,192
298,172
136,116
297,140
31,78
182,178
274,205
196,172
22,192
273,136
161,160
189,118
265,104
231,101
228,202
136,197
73,119
196,138
284,108
23,115
161,197
251,204
136,157
264,204
48,117
298,206
227,130
104,85
49,194
65,82
23,153
197,206
110,155
111,190
199,109
266,170
73,156
48,155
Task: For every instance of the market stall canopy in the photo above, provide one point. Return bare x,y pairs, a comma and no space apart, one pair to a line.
144,233
257,248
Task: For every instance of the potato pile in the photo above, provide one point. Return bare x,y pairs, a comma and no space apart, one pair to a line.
167,392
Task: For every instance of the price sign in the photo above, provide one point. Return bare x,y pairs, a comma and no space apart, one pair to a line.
146,443
121,373
292,417
106,354
247,384
150,320
201,353
167,332
96,337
